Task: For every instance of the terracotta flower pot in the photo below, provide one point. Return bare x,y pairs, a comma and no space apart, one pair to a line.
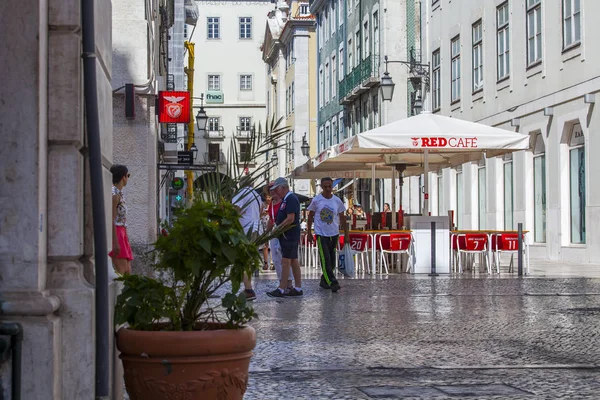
210,364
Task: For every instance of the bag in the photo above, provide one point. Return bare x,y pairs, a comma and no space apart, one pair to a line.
346,261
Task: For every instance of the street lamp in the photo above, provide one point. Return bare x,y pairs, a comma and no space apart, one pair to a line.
387,84
201,119
194,150
418,103
305,147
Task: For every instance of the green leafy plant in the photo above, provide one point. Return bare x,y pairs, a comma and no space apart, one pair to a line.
206,249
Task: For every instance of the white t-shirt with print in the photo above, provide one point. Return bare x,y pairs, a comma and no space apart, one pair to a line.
250,203
327,221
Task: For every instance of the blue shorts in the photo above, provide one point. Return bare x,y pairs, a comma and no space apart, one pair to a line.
289,248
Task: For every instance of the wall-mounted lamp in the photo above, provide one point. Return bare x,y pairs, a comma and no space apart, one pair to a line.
589,98
548,111
515,122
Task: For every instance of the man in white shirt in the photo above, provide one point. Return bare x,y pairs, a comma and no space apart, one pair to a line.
249,203
328,209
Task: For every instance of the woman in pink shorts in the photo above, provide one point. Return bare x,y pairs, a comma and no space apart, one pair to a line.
121,251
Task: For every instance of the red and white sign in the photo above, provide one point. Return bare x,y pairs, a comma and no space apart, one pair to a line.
453,142
174,107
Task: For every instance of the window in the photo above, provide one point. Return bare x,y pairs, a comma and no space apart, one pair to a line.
357,53
366,39
503,41
455,92
376,33
327,82
214,31
245,82
245,152
375,102
436,77
334,77
341,69
578,192
332,17
340,8
245,124
213,123
293,97
327,136
539,190
287,101
304,9
508,193
534,31
350,64
334,131
481,190
571,22
214,82
321,87
214,152
245,28
477,56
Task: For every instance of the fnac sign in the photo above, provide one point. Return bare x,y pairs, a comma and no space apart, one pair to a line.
463,143
174,107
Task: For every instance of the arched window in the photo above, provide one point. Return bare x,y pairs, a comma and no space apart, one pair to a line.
577,184
539,189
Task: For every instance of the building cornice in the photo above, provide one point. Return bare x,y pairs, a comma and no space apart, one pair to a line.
316,6
288,29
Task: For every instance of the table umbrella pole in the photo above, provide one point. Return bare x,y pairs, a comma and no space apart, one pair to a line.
426,183
394,202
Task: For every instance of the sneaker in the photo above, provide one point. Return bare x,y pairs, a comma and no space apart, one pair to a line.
275,293
287,290
324,285
335,287
250,294
295,293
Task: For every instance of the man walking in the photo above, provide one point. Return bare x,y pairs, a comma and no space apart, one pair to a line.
274,243
288,215
328,210
249,203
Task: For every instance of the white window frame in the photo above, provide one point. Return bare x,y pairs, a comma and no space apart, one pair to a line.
214,82
246,82
502,37
334,76
350,51
304,9
341,62
436,80
245,28
245,123
366,47
213,28
327,81
332,18
534,32
571,21
455,69
321,87
477,37
213,124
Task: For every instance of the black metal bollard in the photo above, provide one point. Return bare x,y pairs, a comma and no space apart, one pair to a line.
433,273
520,250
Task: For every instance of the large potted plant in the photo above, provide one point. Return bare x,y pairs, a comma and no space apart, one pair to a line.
183,333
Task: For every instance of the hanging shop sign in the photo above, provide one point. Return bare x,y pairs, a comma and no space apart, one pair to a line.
174,107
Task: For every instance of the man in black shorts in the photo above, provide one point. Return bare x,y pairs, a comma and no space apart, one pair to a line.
288,214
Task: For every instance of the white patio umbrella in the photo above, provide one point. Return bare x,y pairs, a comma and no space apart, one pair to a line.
418,142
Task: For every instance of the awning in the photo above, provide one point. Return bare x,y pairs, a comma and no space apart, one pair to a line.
345,186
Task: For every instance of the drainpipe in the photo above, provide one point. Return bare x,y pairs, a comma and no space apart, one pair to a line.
99,220
15,331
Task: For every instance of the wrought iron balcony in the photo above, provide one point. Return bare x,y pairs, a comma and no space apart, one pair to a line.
243,132
364,76
218,134
213,158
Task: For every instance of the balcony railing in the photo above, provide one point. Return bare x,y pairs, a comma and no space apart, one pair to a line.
215,134
243,132
360,79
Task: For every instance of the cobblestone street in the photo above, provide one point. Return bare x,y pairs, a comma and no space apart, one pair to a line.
407,337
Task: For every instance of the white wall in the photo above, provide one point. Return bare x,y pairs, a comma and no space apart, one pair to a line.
560,81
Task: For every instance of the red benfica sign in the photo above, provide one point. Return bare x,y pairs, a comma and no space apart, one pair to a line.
463,143
173,107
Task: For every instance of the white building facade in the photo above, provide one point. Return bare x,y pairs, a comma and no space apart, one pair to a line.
229,72
528,66
289,52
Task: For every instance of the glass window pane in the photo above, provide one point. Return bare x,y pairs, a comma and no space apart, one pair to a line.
577,36
539,193
508,196
482,198
577,172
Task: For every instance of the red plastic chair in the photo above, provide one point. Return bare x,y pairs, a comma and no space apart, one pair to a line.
359,243
394,243
508,243
471,244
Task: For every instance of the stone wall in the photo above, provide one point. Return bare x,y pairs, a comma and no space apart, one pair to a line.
46,235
